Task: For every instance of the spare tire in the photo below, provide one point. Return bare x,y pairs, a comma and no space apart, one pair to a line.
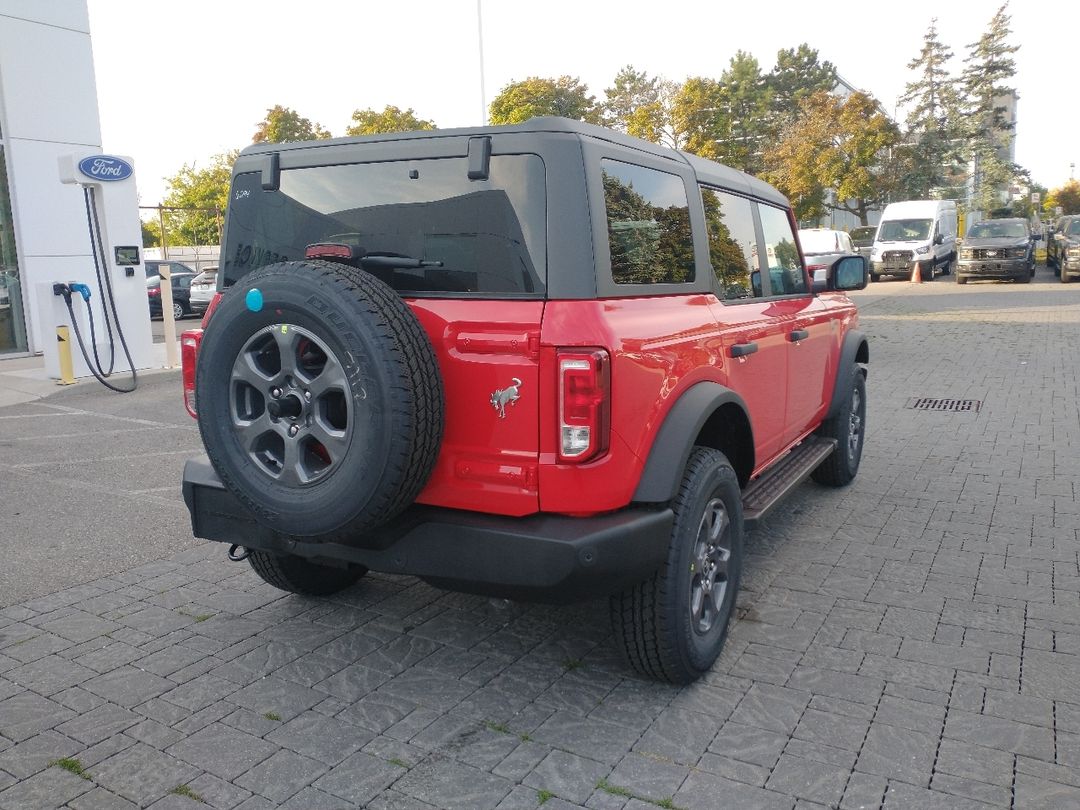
319,398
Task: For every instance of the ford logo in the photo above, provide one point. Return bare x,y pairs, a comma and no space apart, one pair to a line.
105,167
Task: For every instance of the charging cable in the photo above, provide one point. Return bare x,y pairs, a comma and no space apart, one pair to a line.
65,291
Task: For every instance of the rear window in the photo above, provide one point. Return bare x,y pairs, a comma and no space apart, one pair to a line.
483,237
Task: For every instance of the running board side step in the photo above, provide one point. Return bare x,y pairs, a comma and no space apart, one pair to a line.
769,489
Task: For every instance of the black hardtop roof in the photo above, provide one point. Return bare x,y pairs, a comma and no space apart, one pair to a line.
707,171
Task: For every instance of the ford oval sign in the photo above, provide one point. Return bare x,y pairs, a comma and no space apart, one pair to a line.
105,167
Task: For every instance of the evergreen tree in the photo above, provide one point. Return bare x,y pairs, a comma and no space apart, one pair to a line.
988,68
743,114
933,118
798,74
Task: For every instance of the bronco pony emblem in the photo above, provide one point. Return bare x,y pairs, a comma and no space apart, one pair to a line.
502,397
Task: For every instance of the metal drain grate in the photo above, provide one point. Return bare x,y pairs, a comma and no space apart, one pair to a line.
935,404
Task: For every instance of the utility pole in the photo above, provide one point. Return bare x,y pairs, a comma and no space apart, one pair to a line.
480,41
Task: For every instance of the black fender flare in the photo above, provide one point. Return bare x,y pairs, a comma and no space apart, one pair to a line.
674,441
855,350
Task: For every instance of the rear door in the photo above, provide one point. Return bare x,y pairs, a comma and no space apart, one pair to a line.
755,352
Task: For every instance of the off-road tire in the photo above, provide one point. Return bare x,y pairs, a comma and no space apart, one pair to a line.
961,279
848,427
393,394
1063,274
298,575
653,621
1024,279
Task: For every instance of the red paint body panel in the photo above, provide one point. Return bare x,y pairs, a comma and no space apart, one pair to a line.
487,463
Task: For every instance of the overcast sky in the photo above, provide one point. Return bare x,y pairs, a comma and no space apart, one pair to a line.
181,81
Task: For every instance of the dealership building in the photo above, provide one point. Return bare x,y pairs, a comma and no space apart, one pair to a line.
48,109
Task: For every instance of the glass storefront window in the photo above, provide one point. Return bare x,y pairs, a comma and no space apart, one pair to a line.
12,323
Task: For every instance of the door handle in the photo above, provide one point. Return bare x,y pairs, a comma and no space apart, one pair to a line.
798,334
743,349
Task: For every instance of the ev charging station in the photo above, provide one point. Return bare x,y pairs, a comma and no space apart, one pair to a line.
103,305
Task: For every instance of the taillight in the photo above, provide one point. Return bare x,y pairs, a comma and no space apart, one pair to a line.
813,267
214,301
189,352
584,404
153,292
330,250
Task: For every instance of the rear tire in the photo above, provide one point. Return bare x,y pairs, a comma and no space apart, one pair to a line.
298,575
848,427
1024,279
672,626
961,279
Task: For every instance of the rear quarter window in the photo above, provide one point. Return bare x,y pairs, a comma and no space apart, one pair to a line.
648,225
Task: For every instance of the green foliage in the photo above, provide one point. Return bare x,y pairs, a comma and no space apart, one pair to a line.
391,119
988,68
274,716
187,793
1067,196
838,144
694,116
206,192
636,105
544,796
70,765
743,114
151,233
565,96
283,124
933,121
797,76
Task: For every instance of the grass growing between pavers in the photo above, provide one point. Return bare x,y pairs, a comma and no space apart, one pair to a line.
71,765
187,793
615,790
272,716
543,796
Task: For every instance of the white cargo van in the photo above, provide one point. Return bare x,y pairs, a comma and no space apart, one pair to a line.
914,232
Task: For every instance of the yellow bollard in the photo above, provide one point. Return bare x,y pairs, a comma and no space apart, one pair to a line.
67,370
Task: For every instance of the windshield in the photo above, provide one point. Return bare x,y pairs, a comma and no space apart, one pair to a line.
863,237
815,242
998,230
904,230
1074,228
451,234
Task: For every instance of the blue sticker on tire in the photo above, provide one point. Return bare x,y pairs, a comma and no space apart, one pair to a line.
254,299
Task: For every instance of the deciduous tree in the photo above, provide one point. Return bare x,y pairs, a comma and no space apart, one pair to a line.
1067,196
565,96
838,156
635,104
205,193
391,119
283,124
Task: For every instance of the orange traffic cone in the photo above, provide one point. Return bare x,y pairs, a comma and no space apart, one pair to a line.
916,274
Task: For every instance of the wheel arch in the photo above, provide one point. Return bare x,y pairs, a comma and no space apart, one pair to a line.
854,355
710,415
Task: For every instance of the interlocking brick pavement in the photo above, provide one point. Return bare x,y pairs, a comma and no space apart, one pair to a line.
912,640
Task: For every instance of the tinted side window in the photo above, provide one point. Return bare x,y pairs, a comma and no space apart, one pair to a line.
648,220
786,275
729,222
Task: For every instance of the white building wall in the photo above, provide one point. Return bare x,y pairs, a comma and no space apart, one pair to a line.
48,108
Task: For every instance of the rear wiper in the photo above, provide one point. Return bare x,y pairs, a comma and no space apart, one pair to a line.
394,260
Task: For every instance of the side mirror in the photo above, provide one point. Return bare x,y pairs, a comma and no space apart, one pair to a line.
1037,237
939,238
849,273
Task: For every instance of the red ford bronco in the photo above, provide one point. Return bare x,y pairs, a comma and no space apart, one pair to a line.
544,361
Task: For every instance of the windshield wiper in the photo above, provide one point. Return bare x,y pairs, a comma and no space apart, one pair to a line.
395,260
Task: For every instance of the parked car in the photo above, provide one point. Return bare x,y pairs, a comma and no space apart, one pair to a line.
1067,253
863,240
153,267
540,361
915,233
203,287
822,247
1053,243
997,248
181,292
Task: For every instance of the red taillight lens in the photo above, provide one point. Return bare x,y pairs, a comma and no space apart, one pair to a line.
153,292
584,404
189,352
813,267
214,301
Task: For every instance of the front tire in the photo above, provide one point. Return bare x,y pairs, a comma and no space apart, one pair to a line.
177,310
297,575
672,626
848,427
960,279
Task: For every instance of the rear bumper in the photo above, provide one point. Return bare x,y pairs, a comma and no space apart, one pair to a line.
550,558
